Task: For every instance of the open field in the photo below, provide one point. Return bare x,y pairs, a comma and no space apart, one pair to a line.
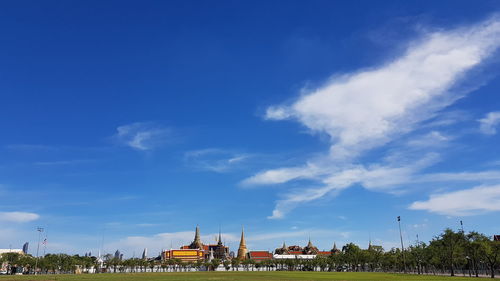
235,276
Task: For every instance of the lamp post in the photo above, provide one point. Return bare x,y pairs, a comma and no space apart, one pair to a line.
468,265
402,246
40,230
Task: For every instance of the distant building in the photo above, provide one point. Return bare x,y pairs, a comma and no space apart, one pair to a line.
260,255
300,257
375,248
25,247
334,249
308,252
117,254
310,249
4,251
184,254
145,254
220,251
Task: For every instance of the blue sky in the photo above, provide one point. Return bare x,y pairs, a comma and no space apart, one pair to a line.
125,124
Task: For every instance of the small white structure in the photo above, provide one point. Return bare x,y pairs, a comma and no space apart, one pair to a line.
298,257
19,251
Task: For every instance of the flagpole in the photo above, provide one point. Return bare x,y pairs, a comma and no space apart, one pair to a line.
402,246
45,245
40,230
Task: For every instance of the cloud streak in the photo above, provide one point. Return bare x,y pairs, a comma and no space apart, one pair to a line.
143,136
368,109
489,123
466,202
215,160
18,217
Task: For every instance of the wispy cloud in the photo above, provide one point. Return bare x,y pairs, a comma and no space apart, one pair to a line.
64,162
143,136
30,147
371,108
488,124
18,217
431,139
466,202
215,160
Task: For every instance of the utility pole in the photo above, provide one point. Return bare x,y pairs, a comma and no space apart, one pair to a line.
462,225
402,246
40,230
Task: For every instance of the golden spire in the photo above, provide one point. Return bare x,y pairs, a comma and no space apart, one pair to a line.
242,250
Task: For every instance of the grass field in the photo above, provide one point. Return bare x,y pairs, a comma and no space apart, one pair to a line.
234,276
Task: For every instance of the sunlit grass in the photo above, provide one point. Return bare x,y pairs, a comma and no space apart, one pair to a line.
283,275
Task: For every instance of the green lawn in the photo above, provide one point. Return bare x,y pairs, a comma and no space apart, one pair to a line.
233,276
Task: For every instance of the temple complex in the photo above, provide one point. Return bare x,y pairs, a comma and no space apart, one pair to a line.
197,251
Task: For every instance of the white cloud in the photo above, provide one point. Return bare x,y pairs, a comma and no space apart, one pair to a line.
433,138
142,136
466,202
482,176
215,160
488,124
19,217
284,175
375,177
368,109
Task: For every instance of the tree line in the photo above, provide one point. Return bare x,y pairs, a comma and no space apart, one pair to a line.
451,252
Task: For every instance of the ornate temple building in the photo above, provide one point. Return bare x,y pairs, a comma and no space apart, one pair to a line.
189,253
220,251
334,249
260,255
310,249
242,250
296,251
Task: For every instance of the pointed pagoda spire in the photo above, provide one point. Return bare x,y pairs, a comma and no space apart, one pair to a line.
309,244
220,238
310,248
197,234
242,250
197,240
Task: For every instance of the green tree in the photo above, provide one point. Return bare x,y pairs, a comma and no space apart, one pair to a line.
235,263
492,255
353,256
451,244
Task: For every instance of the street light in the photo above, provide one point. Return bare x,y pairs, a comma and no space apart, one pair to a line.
40,230
402,246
